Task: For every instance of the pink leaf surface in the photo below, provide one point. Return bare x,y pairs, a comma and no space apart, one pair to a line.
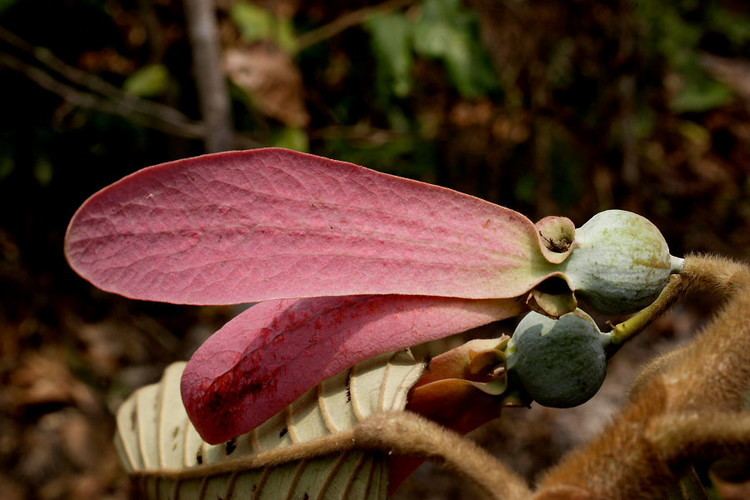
273,352
271,223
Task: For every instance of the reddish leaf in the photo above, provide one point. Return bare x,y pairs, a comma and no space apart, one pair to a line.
271,223
272,353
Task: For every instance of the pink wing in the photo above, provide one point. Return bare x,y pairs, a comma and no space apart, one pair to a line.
270,223
272,353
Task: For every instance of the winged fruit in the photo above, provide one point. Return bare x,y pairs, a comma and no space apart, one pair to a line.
348,263
560,363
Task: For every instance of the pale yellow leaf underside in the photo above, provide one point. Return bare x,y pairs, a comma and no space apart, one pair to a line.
158,445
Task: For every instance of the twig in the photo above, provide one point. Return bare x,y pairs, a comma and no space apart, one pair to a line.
340,442
347,21
101,95
209,74
87,100
91,82
406,433
636,323
690,486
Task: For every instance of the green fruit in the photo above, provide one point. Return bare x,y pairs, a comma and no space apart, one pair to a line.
560,363
620,262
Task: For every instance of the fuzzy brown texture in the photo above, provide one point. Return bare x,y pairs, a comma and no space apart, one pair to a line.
714,274
703,274
619,464
680,406
713,370
708,434
406,433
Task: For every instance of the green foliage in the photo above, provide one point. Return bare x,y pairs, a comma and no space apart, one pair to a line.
258,24
406,155
43,171
5,4
445,31
292,138
732,25
566,169
391,43
7,165
699,92
149,81
525,188
678,41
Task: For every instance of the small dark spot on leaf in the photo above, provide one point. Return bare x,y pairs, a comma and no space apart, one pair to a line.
228,392
252,388
230,446
199,457
214,401
175,432
283,432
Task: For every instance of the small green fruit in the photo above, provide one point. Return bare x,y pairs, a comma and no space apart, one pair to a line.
560,363
620,262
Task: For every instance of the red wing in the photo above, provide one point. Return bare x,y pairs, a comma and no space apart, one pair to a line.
271,223
271,354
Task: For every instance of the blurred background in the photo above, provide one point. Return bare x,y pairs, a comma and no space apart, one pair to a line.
547,107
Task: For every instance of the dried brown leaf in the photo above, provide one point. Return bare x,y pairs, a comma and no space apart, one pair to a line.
271,79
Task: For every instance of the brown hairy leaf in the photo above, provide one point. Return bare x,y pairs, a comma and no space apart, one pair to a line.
43,378
686,405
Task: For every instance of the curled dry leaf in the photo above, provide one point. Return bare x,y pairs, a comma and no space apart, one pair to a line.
271,79
292,455
44,379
